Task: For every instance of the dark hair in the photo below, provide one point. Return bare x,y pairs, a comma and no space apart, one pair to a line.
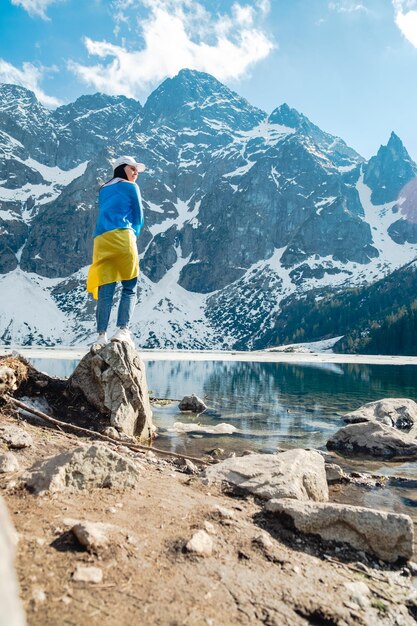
119,172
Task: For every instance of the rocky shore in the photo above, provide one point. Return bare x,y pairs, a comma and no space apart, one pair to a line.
106,532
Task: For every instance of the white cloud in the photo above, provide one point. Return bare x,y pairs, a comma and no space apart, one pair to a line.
29,76
347,6
35,7
406,19
177,34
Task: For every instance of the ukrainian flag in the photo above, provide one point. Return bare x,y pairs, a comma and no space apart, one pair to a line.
115,254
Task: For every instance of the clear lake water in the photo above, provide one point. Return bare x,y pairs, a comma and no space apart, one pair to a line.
276,405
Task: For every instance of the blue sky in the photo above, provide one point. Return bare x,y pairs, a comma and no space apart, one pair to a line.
349,65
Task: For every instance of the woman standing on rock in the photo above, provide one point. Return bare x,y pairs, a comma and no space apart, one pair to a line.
115,254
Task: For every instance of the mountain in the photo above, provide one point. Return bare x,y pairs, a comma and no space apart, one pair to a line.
248,215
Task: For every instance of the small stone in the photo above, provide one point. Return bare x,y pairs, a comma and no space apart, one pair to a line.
362,567
209,527
93,535
334,473
359,593
216,452
87,574
190,468
412,567
38,595
201,543
66,600
8,463
263,541
15,437
111,432
111,509
223,513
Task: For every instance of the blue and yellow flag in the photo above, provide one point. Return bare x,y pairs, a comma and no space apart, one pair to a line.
115,254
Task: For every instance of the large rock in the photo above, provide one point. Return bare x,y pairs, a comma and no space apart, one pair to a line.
85,467
297,474
113,380
396,412
11,609
372,439
389,536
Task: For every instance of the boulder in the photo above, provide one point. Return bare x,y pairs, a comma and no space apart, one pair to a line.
297,473
11,609
85,467
8,463
192,403
389,536
371,439
113,380
14,436
396,412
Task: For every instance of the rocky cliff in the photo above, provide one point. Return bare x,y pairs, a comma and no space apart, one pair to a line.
242,209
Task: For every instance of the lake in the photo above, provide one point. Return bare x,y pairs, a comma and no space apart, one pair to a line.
275,405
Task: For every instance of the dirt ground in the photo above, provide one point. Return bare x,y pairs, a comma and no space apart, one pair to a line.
259,572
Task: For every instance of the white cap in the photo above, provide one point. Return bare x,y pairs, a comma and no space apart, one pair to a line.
127,160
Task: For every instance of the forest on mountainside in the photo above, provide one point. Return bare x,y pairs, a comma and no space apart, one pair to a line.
377,319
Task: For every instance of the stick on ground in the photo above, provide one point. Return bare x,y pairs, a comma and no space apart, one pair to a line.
135,447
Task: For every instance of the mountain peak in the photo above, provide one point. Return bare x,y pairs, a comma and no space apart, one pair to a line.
10,93
395,145
388,171
286,116
192,97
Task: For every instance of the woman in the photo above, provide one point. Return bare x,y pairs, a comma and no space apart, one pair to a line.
115,255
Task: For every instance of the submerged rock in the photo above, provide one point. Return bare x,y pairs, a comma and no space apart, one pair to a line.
85,467
297,474
396,412
371,439
389,536
222,429
113,380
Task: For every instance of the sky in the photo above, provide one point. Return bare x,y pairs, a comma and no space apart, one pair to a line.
348,65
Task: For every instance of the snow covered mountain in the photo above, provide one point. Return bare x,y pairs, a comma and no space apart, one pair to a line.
243,211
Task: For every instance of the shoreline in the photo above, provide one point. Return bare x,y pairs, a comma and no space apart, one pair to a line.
256,356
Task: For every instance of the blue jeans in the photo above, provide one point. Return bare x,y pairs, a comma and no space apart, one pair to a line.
126,305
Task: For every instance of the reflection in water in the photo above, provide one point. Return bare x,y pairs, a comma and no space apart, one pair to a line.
272,404
276,405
